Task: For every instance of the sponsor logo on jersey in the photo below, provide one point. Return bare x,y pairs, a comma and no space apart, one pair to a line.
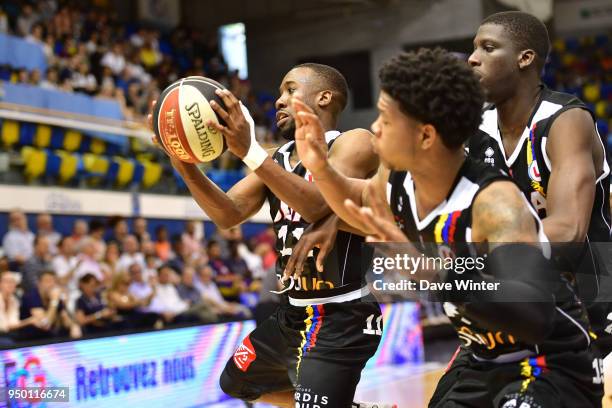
534,172
245,355
489,156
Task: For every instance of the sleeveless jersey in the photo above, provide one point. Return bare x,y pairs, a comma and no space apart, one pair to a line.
341,278
530,167
447,232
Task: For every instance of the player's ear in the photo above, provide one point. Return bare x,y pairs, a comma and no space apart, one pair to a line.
526,58
428,136
324,98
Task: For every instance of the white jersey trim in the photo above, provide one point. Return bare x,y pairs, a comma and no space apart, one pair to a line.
347,297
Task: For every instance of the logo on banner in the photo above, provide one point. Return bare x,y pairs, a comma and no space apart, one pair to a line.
245,355
30,375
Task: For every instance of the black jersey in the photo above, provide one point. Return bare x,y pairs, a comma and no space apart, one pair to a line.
446,232
341,278
529,165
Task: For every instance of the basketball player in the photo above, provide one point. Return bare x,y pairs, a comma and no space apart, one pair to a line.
312,350
548,142
528,354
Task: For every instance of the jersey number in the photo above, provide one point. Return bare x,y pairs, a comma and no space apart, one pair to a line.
369,330
598,367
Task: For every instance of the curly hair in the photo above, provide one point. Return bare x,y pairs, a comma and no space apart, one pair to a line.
526,31
435,87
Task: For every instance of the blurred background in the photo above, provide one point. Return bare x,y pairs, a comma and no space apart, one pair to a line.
94,218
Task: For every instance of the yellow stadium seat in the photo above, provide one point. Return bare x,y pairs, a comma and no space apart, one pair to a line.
601,109
97,146
35,162
126,171
72,140
96,166
152,173
10,132
559,45
68,166
591,92
42,137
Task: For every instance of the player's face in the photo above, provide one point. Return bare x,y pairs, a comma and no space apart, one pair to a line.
495,62
395,134
298,82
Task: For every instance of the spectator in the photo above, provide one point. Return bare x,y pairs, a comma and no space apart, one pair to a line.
9,310
140,230
91,312
36,34
51,81
162,245
4,24
236,263
65,263
45,305
96,233
167,301
114,59
26,20
230,284
182,257
120,231
139,287
131,253
44,227
88,263
128,306
34,79
18,243
39,262
83,80
191,242
110,263
190,294
212,296
79,231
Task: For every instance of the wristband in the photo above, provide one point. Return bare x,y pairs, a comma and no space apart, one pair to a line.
256,154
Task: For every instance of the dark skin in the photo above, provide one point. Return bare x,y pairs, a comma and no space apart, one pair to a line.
351,153
511,78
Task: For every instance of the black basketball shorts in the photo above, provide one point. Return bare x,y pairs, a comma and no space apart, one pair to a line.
317,351
561,380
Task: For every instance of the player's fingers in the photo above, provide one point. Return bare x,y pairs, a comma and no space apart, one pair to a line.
301,258
150,121
230,101
379,207
222,113
323,251
224,130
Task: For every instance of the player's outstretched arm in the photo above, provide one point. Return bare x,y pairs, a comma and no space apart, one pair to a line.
572,146
335,186
224,209
524,305
352,151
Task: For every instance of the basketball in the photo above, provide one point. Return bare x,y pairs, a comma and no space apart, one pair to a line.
180,120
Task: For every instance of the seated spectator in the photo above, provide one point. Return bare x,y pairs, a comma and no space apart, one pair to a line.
182,257
162,244
45,305
39,262
236,263
36,34
88,263
139,287
114,59
131,253
229,283
188,293
191,241
128,306
18,243
96,233
83,80
212,296
167,301
34,78
65,263
120,231
140,230
79,231
51,80
26,20
110,263
44,227
91,312
4,23
9,310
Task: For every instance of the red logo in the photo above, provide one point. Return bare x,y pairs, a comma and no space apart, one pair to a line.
245,355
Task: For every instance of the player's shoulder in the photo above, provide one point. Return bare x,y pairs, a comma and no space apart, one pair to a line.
354,139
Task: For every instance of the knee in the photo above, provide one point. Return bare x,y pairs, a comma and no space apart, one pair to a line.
237,388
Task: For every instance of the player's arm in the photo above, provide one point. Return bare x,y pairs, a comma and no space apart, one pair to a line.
524,305
352,152
226,210
571,188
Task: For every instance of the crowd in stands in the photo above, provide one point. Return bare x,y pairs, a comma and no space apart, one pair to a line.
103,277
88,50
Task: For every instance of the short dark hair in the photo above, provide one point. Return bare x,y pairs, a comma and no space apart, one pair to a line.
88,277
333,79
436,87
526,30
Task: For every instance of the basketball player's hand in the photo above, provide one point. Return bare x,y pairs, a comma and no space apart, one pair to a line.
309,137
380,225
237,131
322,235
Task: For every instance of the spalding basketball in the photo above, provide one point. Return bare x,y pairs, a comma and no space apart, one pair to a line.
180,120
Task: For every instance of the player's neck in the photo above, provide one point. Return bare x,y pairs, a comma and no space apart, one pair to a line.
513,114
433,183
